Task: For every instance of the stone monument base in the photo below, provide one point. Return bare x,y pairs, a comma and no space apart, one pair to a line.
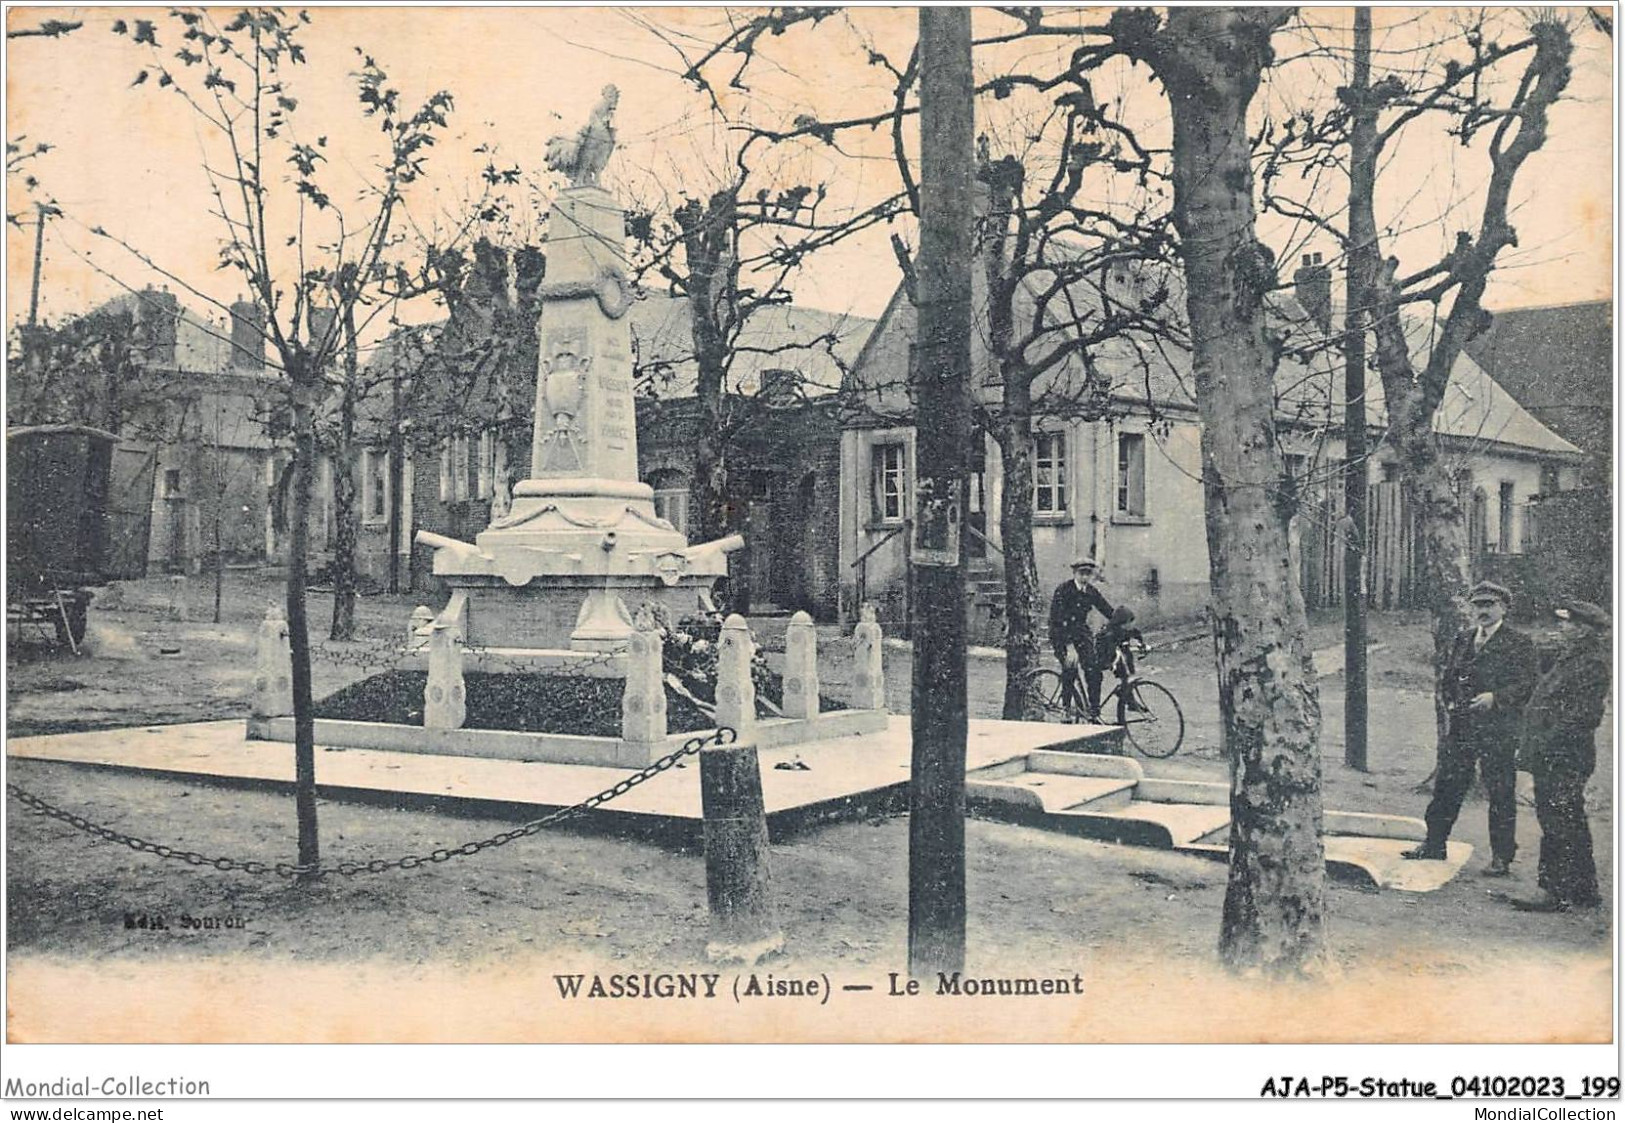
565,611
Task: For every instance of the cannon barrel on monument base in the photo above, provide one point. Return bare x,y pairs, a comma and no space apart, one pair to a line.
463,551
715,548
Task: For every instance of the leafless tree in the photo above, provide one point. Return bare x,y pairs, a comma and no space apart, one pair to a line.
229,70
1489,85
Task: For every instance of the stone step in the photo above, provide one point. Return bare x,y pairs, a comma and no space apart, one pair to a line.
1377,862
1189,825
1108,797
1058,793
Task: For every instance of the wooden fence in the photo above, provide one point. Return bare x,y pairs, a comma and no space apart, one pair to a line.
1391,565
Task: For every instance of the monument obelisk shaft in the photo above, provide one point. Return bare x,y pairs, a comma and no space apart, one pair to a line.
584,422
580,546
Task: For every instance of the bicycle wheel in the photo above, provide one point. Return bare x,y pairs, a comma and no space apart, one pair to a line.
1152,718
1044,694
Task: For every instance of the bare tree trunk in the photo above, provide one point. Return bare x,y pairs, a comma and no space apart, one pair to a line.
936,830
346,530
305,387
346,511
1446,564
1445,569
710,252
1021,592
710,473
219,551
1210,61
1014,435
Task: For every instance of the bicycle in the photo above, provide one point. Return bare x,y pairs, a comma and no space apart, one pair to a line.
1147,711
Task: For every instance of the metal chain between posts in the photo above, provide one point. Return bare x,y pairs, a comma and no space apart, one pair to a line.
721,736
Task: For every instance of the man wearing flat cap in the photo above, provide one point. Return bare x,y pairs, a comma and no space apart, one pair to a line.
1070,635
1560,751
1488,680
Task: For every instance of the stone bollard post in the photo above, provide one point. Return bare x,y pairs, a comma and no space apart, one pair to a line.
736,693
177,598
443,695
643,705
743,927
273,667
801,668
869,670
422,617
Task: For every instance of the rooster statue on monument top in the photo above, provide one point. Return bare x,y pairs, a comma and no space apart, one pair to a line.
581,158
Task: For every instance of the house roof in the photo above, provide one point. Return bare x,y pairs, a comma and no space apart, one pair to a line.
1144,371
1557,361
819,346
201,344
1474,407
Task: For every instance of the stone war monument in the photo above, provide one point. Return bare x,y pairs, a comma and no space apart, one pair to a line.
580,546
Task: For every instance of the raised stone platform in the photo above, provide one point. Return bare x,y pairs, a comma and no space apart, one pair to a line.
846,776
1031,773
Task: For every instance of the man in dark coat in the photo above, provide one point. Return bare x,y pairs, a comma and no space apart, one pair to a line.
1560,751
1488,680
1070,635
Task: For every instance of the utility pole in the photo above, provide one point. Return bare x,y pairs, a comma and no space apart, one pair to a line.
1362,271
40,215
941,374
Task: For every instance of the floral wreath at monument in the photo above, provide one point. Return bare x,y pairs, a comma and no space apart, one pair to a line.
689,652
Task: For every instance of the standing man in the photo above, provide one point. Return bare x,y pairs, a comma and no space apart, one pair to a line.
1488,680
1560,751
1070,634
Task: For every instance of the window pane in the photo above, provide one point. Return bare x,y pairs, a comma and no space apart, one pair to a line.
485,463
459,466
1049,472
888,483
1131,474
374,484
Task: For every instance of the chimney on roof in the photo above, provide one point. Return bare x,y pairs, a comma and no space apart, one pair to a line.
247,335
1125,283
321,322
779,386
1313,287
156,315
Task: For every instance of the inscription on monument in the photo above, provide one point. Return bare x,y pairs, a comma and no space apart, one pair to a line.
614,428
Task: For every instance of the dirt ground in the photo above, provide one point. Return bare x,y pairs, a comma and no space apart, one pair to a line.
1456,964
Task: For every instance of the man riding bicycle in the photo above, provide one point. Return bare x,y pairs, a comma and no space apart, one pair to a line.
1070,635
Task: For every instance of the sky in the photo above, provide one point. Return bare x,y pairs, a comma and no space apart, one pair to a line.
128,159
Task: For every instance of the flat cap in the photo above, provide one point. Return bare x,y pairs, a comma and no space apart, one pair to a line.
1084,561
1485,589
1583,612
